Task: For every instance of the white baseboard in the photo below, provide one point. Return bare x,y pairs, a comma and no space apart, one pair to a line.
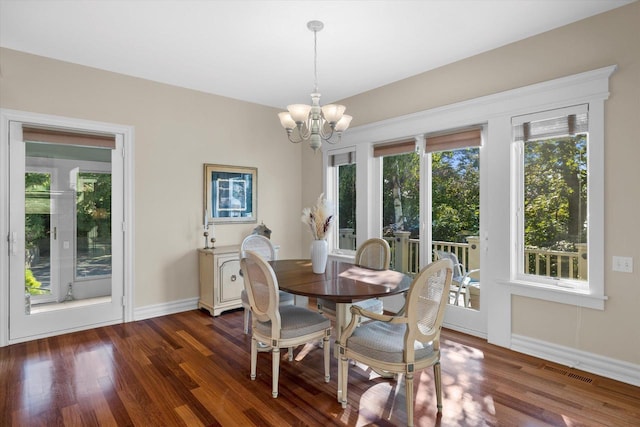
464,330
589,362
163,309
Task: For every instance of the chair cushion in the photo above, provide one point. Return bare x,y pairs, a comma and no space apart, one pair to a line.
295,322
384,341
374,305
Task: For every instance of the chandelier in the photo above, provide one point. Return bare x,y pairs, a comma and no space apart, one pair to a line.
314,123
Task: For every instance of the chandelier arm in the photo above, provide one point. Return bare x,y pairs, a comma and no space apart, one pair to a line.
304,130
330,138
324,134
291,137
295,141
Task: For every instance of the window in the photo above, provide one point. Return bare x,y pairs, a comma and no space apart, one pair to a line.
401,202
455,188
344,166
75,240
502,239
93,225
38,228
553,200
401,193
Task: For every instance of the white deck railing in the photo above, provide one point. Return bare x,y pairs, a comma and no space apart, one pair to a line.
539,262
405,256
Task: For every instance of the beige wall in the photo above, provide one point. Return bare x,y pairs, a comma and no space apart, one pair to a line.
607,39
176,132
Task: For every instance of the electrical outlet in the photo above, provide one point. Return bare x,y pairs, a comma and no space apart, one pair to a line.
623,264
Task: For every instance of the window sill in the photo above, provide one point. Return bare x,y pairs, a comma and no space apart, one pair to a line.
575,297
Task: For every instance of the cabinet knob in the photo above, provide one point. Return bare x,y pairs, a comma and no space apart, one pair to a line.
233,277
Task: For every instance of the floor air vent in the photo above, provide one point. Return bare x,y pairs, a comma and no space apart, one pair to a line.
567,372
583,378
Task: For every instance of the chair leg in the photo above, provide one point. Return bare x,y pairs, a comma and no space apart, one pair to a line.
254,357
327,359
247,313
275,370
290,354
458,296
320,311
408,386
343,380
437,378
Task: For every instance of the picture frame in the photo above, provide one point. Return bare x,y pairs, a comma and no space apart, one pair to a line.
230,194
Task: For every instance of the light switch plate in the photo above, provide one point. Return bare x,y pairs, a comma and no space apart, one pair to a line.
623,264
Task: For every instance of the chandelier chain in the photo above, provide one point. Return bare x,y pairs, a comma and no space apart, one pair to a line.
315,61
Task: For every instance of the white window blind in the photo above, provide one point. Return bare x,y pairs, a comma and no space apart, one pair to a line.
342,159
454,140
56,136
551,124
394,148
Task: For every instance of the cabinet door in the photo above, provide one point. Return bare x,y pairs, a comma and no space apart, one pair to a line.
231,283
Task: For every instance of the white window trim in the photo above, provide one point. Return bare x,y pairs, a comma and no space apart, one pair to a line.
331,193
591,87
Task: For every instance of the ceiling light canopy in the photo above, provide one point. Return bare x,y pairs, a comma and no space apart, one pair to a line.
314,123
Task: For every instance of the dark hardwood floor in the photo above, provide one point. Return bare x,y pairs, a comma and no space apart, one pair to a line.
191,369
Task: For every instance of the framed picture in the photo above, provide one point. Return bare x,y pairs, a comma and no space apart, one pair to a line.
230,193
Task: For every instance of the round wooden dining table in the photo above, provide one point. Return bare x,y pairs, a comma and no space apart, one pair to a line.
342,282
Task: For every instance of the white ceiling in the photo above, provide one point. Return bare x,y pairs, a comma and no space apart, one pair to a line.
261,51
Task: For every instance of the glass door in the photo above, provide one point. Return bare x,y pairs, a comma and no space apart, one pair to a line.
455,225
454,178
64,202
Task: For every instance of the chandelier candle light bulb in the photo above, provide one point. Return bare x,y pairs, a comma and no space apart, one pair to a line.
314,123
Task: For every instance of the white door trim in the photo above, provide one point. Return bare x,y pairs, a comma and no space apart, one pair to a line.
127,134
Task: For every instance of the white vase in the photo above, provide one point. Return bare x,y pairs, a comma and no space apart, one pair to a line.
319,254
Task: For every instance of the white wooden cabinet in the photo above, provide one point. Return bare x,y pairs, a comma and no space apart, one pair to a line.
220,279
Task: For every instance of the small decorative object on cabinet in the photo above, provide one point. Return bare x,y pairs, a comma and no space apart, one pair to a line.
220,281
262,230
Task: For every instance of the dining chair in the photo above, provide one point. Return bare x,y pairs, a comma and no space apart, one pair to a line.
373,253
275,325
263,246
402,344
